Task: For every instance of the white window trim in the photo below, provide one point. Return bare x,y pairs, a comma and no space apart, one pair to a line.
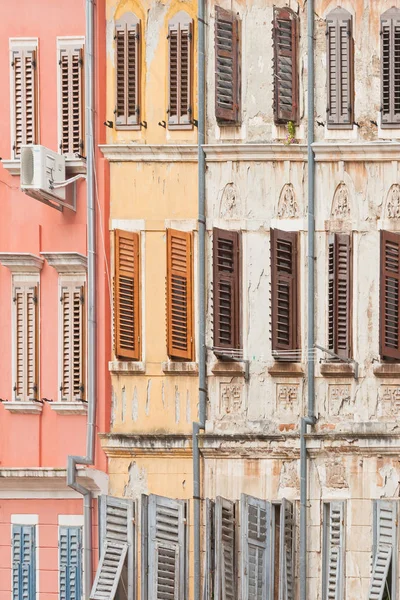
70,521
30,519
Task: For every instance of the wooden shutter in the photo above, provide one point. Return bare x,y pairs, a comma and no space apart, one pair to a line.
285,66
73,317
118,550
180,40
227,91
27,339
390,85
385,544
225,549
179,295
340,59
334,557
167,548
390,295
24,96
127,68
23,557
226,290
284,280
286,548
255,532
71,100
70,567
127,295
339,296
209,571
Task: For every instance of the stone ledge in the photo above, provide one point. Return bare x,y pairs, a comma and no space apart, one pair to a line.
23,407
73,166
172,367
69,408
337,369
387,370
286,369
229,368
127,367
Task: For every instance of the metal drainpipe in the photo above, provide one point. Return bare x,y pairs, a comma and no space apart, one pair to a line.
73,461
310,418
201,296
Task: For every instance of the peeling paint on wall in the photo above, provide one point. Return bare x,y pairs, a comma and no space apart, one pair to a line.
147,409
135,405
177,405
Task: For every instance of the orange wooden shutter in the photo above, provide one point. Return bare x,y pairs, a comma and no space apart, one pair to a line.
24,91
71,98
179,295
127,296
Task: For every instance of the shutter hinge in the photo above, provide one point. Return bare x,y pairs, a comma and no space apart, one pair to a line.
35,300
13,63
34,64
168,37
137,36
59,62
82,388
15,299
190,36
61,299
61,388
82,299
80,62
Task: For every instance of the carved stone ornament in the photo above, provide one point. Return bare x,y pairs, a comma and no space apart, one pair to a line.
287,206
289,477
393,202
335,474
230,398
341,203
390,400
229,200
340,400
287,398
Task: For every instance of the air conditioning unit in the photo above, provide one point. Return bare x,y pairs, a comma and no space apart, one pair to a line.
40,169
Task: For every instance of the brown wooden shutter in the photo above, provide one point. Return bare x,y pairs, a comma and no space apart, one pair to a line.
340,61
227,91
284,281
339,295
127,85
179,295
24,97
71,101
390,295
390,47
285,66
127,295
226,290
27,339
180,36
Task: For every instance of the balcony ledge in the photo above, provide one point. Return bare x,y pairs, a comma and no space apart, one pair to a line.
69,408
172,367
127,367
23,407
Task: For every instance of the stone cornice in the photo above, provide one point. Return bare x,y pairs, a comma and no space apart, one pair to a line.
149,153
357,151
49,480
163,445
255,152
21,262
66,262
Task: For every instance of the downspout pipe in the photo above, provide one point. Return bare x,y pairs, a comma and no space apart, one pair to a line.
200,425
88,459
309,419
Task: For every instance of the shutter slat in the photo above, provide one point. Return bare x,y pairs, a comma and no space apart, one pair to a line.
390,74
71,101
255,529
24,97
23,556
339,68
285,66
180,37
225,536
70,563
73,342
334,551
127,295
127,70
26,334
385,542
390,295
339,295
226,67
286,546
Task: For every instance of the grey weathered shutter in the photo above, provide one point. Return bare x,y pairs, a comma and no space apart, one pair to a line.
390,85
24,96
339,296
180,40
225,549
70,567
209,570
117,522
385,543
390,295
334,549
167,548
339,69
24,567
286,547
255,533
285,65
127,68
227,89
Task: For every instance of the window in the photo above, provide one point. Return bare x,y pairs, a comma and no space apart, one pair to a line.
285,65
226,292
285,294
282,561
225,548
390,61
333,560
255,532
339,295
180,51
116,568
23,558
24,93
227,89
73,340
340,68
71,96
127,295
26,336
179,295
70,557
390,295
384,551
127,67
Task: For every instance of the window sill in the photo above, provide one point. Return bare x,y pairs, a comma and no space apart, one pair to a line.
333,369
74,166
127,367
286,369
24,408
387,369
69,408
229,368
174,367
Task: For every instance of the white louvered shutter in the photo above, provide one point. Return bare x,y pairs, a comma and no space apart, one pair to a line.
23,96
73,342
26,347
255,532
70,568
225,549
117,555
385,544
167,565
335,551
71,101
23,556
286,546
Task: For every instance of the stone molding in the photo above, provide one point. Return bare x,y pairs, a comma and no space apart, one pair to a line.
66,262
149,153
255,152
21,262
357,151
